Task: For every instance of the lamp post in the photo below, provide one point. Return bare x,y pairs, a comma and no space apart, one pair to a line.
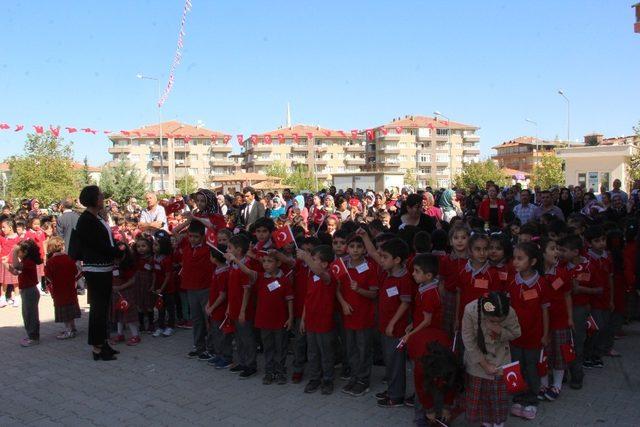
561,93
143,77
439,114
534,123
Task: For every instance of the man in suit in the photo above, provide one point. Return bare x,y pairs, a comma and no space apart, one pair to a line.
252,210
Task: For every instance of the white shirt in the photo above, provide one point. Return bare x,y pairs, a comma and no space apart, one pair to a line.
157,214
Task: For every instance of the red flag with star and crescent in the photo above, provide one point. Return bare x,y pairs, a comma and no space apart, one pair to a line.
282,236
592,326
543,366
339,269
512,376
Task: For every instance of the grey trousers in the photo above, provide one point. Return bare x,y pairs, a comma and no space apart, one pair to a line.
528,359
299,348
395,367
198,300
219,343
320,355
359,353
599,343
580,314
30,315
246,344
274,345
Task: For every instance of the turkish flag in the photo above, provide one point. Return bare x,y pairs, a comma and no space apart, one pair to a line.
174,207
326,132
186,139
226,139
282,236
445,122
339,269
384,131
430,126
55,131
512,376
592,326
543,365
398,129
254,139
240,140
354,134
151,134
370,134
281,138
568,352
136,133
267,139
39,129
211,237
89,130
309,136
169,136
124,132
18,128
107,132
342,133
4,126
295,138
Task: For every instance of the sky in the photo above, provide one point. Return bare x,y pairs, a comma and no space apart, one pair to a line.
340,64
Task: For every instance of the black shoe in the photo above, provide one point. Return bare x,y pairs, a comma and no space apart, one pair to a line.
596,362
382,395
237,369
312,386
587,364
390,403
103,355
359,389
107,347
347,388
281,379
204,356
326,387
346,373
193,354
248,373
267,379
410,401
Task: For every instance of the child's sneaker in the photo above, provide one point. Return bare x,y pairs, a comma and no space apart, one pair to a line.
65,335
3,302
382,395
312,386
188,324
10,302
596,362
204,356
267,379
296,378
542,393
613,353
347,388
167,332
281,379
410,401
346,373
213,361
15,303
193,354
390,403
133,341
223,363
529,412
587,364
326,387
552,393
157,333
359,389
516,410
236,369
248,373
28,342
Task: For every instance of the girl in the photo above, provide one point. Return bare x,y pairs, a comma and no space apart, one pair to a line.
332,224
36,234
8,241
488,325
500,253
61,272
558,287
450,267
24,262
124,281
144,282
530,302
163,284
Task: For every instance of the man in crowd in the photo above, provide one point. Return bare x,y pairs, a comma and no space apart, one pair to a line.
252,210
154,216
547,206
525,211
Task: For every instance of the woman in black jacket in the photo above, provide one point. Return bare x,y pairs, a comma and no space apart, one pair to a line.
94,246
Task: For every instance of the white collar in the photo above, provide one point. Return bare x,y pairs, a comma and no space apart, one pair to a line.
530,282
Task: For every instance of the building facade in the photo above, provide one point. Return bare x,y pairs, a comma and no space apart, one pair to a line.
186,151
434,150
523,153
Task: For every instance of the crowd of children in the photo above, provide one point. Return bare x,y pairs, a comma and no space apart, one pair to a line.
549,295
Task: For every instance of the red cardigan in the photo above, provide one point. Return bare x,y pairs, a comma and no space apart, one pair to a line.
483,211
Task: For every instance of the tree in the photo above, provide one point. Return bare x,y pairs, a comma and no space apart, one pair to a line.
45,171
548,172
120,181
301,179
84,177
278,169
410,178
186,185
479,173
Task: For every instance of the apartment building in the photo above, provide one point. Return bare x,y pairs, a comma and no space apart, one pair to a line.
433,149
524,153
324,151
186,150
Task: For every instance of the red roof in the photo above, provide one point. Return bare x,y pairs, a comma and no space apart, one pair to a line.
170,128
424,121
302,131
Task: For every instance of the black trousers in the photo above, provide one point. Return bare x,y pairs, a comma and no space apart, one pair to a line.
99,297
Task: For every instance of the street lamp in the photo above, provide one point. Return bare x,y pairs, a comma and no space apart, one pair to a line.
561,93
533,122
143,77
439,114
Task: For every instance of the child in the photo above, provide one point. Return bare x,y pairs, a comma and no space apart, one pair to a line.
194,278
601,302
124,286
450,267
261,229
218,341
223,237
339,243
317,319
144,284
558,288
530,302
274,314
163,284
241,308
488,325
500,253
426,328
8,242
36,234
356,292
61,272
24,262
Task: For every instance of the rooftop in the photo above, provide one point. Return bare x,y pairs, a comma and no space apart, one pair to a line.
410,121
528,140
169,129
302,130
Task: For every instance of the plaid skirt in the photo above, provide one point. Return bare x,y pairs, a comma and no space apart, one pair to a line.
486,401
449,311
129,316
145,299
6,278
554,351
66,313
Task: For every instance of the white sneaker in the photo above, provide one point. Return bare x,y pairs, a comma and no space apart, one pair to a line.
167,332
15,303
157,333
3,302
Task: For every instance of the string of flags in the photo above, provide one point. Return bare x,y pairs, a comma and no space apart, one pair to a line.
178,56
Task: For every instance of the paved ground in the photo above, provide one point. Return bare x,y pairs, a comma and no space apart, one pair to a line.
56,383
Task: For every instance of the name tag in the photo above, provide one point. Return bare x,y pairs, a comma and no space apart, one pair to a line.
481,283
503,275
148,267
316,277
530,294
557,284
362,268
116,273
157,266
273,286
584,277
392,292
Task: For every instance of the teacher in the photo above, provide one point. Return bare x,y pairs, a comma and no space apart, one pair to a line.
95,248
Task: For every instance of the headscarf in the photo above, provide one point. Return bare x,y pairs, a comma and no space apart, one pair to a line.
300,200
446,200
211,201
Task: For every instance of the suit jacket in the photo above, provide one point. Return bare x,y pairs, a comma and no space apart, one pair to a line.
65,224
248,217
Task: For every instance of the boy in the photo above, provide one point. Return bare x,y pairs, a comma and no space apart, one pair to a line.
601,302
317,319
274,314
195,277
241,308
261,229
218,342
394,298
339,243
356,292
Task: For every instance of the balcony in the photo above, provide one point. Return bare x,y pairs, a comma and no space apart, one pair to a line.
182,163
176,148
320,148
355,162
220,148
156,163
298,147
471,137
424,163
120,149
471,151
319,162
354,149
261,148
220,162
391,150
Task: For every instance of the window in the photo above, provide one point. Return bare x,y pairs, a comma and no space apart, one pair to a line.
592,182
425,158
193,157
582,179
193,171
442,131
134,157
604,180
442,158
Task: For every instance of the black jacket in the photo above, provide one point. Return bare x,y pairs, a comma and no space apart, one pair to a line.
92,243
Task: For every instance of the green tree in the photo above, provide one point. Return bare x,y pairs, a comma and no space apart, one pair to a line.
84,176
410,178
479,173
301,179
186,185
548,172
120,181
634,161
278,169
45,171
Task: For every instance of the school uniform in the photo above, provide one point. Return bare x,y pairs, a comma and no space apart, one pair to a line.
130,294
475,283
600,304
580,273
394,289
28,284
218,342
245,339
144,281
61,271
301,275
504,272
449,269
319,307
6,250
163,269
273,292
558,285
528,298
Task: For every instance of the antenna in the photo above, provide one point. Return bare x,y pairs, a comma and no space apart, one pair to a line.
288,115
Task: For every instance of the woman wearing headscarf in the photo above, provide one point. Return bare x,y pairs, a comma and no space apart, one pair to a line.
299,208
276,207
207,212
565,203
429,208
446,205
617,210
